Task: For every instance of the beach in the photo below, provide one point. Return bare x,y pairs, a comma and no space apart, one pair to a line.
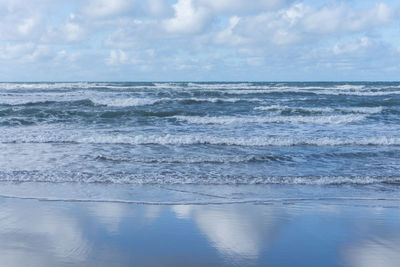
330,232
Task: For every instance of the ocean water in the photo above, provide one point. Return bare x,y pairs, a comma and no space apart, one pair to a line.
208,137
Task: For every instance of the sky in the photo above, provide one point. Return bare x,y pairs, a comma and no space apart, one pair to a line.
199,40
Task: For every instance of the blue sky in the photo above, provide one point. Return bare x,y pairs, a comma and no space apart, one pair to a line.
199,40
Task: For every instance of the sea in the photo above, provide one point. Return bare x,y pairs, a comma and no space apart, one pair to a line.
200,142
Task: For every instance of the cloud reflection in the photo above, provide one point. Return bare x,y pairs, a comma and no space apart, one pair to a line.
372,253
33,233
109,214
233,230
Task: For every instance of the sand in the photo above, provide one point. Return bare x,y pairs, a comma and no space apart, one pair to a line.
287,233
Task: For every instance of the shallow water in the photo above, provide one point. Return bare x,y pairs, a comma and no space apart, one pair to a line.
323,233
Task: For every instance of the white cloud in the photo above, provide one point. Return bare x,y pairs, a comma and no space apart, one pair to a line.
16,51
341,18
106,8
185,35
188,18
300,22
159,8
117,57
73,31
21,24
352,46
241,6
227,36
31,53
63,56
26,26
26,53
133,33
193,16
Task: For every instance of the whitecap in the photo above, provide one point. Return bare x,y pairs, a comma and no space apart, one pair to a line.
334,119
88,138
125,102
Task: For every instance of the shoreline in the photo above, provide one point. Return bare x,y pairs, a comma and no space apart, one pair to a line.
187,194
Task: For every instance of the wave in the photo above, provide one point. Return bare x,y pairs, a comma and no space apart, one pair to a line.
309,92
361,110
125,102
50,137
117,102
213,86
349,87
188,160
244,87
217,100
75,102
334,119
129,178
301,109
358,93
74,85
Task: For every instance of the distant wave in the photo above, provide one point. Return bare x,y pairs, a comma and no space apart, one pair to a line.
126,102
361,110
303,109
358,93
310,92
44,86
119,102
229,88
213,160
333,119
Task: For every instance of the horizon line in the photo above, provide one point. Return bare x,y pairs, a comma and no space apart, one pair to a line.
210,81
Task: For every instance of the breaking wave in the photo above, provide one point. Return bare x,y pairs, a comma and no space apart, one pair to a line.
190,160
361,110
49,137
334,119
130,178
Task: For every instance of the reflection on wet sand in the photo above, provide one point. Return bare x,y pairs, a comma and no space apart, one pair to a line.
234,230
37,233
371,253
40,237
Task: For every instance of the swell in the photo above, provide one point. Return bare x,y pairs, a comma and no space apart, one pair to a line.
188,160
53,112
321,110
45,103
121,102
50,137
332,119
257,87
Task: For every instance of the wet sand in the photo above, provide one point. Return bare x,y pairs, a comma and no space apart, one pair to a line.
288,233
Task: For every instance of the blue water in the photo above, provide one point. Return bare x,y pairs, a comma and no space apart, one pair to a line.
201,133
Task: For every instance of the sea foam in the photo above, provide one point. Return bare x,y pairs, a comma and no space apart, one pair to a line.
334,119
